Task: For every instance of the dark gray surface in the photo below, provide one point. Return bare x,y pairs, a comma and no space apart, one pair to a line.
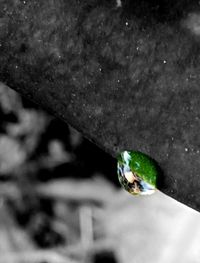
127,78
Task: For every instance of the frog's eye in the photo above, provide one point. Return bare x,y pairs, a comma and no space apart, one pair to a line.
137,173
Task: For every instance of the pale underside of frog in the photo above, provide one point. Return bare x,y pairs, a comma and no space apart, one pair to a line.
134,181
134,184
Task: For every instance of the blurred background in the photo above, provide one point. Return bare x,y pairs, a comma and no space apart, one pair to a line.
60,200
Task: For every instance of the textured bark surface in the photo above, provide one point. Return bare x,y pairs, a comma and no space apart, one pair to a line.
126,77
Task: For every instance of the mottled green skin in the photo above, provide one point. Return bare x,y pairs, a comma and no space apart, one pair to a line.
142,165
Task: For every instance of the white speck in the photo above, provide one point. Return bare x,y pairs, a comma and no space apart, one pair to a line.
126,24
186,149
164,61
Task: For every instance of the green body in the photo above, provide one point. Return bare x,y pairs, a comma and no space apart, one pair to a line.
140,165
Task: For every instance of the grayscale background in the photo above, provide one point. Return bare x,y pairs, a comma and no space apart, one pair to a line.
60,200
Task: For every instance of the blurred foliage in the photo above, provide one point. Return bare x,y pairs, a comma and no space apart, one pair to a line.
42,165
